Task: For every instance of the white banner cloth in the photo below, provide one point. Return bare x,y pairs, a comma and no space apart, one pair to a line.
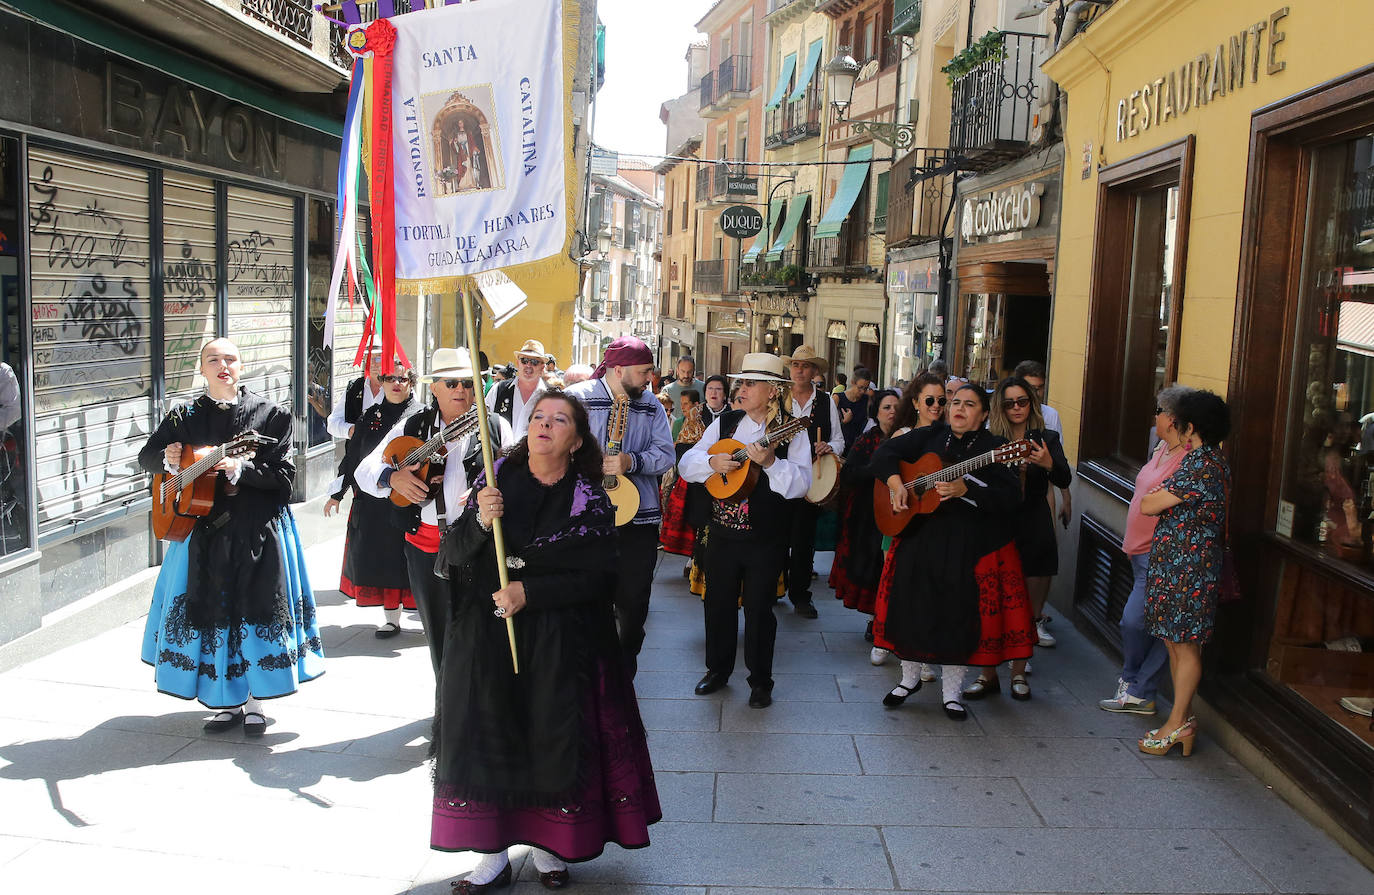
478,109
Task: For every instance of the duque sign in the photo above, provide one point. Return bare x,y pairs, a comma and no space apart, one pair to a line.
741,221
1002,211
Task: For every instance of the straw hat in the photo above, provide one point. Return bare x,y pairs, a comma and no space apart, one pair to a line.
807,355
761,367
449,363
532,348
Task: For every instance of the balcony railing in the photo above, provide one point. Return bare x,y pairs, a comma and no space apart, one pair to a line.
732,79
718,276
920,189
775,5
338,54
846,253
703,183
720,181
793,122
994,104
707,90
906,17
787,273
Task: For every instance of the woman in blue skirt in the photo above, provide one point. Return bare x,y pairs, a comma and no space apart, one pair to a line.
233,616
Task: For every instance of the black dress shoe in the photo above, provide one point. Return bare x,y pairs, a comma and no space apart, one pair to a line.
502,880
760,697
805,610
712,682
390,629
554,879
899,694
955,711
254,724
220,725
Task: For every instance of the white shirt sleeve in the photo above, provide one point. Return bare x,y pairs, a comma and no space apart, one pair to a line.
791,477
370,468
10,406
336,424
490,397
695,465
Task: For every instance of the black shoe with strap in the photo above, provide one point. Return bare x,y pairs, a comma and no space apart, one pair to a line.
899,694
464,887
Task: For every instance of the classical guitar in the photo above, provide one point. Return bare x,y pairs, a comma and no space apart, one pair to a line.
921,476
620,489
182,498
736,486
407,450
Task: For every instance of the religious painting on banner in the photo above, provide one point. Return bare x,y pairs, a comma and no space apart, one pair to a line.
480,124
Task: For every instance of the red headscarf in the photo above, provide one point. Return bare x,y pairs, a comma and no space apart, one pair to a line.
627,351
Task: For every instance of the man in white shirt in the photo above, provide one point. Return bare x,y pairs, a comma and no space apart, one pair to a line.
513,399
748,543
360,395
826,437
435,501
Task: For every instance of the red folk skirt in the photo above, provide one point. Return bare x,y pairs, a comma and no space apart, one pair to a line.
674,533
1007,630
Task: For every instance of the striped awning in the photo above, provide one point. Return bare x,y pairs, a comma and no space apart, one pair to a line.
1355,328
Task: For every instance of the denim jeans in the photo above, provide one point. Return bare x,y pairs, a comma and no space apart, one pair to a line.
1144,657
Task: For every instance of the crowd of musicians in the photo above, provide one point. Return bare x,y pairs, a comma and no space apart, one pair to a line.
939,498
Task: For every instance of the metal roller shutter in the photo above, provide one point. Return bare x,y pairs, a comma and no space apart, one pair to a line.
260,257
88,228
189,281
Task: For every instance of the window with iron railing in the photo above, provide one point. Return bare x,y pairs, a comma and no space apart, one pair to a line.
706,92
993,103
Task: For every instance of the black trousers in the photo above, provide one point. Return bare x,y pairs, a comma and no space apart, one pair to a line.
748,567
801,548
432,599
637,546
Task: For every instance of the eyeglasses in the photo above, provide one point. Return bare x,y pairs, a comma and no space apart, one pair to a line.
931,402
1159,410
389,378
454,383
530,362
1009,403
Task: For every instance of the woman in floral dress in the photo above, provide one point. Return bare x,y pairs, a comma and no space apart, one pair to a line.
1184,576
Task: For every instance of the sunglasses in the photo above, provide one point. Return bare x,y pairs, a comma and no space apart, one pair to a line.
390,378
454,383
931,402
530,362
1009,403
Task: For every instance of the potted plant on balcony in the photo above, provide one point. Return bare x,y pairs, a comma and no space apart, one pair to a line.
988,48
789,275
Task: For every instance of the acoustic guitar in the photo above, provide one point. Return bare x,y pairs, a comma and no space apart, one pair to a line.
620,489
736,486
921,476
182,498
407,450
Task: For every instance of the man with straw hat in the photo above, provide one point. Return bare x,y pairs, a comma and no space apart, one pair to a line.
514,399
436,500
805,365
748,544
646,453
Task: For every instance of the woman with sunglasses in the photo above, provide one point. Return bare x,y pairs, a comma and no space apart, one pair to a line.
951,590
1016,415
374,565
858,559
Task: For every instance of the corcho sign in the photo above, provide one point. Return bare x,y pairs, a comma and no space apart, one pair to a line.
741,221
1002,211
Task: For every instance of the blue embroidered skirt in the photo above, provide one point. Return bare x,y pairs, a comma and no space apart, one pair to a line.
223,666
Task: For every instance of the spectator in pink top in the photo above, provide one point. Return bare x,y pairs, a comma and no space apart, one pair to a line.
1144,657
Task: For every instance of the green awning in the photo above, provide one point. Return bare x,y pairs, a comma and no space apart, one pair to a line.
796,210
789,64
855,172
813,58
766,234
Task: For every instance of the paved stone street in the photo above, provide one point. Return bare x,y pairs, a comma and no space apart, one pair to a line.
107,784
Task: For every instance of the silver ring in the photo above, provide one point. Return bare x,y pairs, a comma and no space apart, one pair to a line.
500,612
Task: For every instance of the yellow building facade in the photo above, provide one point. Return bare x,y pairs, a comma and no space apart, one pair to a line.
1217,231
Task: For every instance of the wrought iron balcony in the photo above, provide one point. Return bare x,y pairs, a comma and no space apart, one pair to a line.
906,17
920,189
707,91
338,54
843,255
703,191
994,102
793,122
787,273
732,82
717,276
784,12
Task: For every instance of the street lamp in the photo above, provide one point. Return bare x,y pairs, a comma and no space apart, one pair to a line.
841,73
740,317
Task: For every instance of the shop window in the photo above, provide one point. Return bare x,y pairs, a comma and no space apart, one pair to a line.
15,531
1137,295
837,345
88,228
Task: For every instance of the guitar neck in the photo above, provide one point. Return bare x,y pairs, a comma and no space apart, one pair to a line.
770,438
455,429
950,473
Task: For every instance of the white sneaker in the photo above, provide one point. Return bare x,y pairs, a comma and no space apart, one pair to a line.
1127,704
877,656
927,673
1046,638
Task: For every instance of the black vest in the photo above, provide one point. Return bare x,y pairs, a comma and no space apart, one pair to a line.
505,399
353,400
820,418
769,513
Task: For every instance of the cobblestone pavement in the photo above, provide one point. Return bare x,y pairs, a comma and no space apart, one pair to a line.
105,783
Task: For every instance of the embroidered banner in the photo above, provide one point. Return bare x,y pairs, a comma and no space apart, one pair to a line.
481,121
